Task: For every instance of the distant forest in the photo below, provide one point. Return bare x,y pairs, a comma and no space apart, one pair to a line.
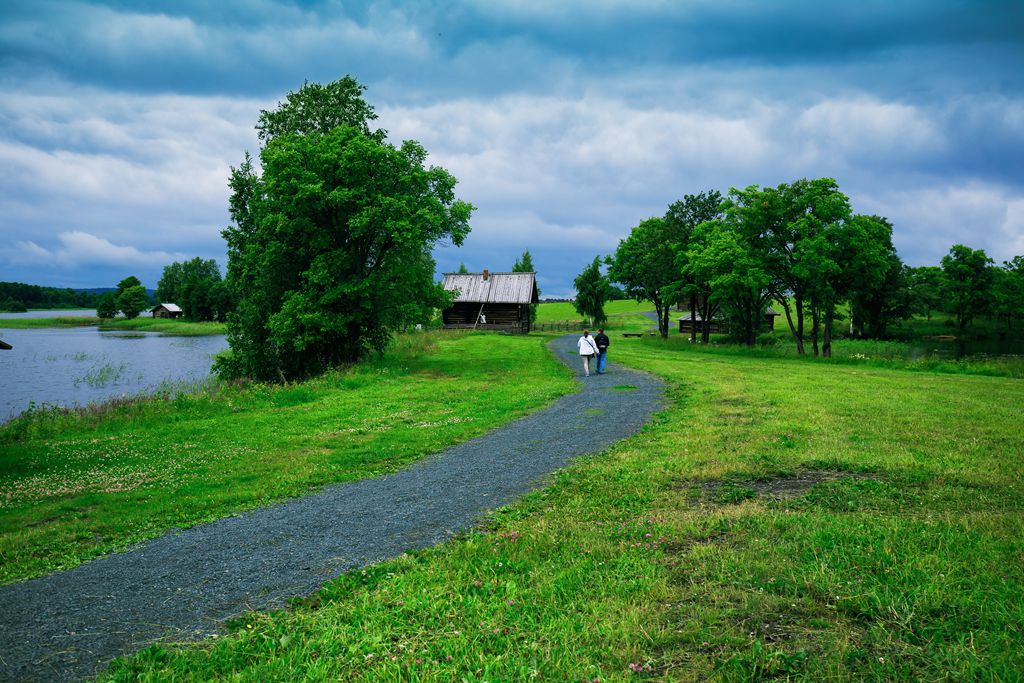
18,296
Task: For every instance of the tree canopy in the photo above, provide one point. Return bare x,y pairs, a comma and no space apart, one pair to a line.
131,297
196,286
967,280
591,293
330,250
645,265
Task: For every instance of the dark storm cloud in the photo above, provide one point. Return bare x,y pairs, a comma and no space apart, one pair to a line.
261,48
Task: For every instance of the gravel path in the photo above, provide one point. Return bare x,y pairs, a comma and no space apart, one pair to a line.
68,625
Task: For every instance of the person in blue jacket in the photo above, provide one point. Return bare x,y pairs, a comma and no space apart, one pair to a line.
602,341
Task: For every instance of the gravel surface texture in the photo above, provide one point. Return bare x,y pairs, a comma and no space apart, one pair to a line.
181,586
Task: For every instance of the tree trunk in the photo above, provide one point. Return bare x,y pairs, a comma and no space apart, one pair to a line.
815,325
693,318
826,345
708,313
662,309
800,325
750,310
794,328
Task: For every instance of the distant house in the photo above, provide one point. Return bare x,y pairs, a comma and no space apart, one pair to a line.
167,311
715,325
490,301
686,326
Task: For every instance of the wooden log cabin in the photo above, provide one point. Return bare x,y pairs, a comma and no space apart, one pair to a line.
715,325
490,301
166,311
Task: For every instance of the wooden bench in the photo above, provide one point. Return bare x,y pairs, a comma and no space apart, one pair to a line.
632,334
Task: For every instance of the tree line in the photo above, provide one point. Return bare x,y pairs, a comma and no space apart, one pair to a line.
799,246
18,297
196,286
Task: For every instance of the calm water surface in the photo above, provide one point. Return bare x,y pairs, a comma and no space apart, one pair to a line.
82,365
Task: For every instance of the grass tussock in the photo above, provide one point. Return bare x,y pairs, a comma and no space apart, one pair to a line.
779,519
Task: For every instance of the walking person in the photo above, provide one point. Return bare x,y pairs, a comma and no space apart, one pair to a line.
602,341
588,349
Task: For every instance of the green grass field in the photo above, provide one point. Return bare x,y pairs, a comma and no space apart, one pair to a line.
622,315
75,486
780,519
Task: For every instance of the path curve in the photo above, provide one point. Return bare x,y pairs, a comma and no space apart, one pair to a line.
181,586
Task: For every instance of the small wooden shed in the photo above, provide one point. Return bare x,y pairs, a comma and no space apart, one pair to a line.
714,325
490,301
167,311
686,325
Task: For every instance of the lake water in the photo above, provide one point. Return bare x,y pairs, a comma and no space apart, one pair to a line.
81,365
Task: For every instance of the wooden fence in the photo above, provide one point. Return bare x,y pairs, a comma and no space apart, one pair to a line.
559,325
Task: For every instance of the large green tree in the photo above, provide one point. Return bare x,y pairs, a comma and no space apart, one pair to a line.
797,231
682,219
591,293
1007,301
814,250
131,297
876,303
967,283
720,256
849,255
106,307
330,250
645,264
926,284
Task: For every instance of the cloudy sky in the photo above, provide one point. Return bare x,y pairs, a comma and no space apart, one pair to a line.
566,123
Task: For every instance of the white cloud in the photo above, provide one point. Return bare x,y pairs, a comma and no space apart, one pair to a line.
929,220
79,249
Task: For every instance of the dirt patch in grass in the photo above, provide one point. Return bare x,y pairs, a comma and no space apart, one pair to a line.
718,493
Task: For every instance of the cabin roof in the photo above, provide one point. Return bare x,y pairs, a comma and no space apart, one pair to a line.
498,288
173,308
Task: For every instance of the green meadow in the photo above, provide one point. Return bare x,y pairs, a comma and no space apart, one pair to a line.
858,518
622,314
780,518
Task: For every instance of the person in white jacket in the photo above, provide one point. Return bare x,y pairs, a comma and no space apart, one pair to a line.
588,350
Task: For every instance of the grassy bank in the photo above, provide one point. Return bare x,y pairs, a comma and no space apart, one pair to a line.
178,328
75,486
33,323
780,519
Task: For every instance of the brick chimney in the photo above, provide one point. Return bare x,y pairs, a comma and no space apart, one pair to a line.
487,274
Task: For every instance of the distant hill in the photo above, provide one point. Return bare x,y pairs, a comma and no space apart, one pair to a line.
151,293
